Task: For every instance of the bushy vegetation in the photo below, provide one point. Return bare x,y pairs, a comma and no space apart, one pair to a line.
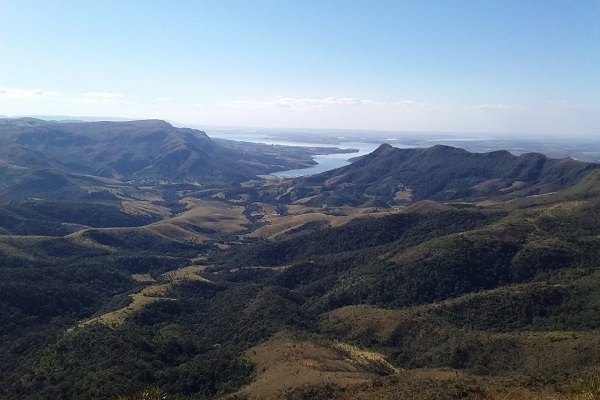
49,218
502,290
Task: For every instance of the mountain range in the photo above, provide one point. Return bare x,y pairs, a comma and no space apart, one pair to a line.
393,176
143,261
131,150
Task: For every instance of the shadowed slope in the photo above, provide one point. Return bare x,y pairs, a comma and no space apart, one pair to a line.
398,176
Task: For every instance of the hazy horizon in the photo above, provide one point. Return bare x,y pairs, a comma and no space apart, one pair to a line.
233,129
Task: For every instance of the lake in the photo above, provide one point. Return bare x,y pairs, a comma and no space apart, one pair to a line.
324,162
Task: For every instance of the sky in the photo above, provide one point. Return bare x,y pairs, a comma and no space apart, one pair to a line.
512,66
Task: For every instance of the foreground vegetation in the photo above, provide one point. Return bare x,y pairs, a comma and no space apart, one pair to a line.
494,294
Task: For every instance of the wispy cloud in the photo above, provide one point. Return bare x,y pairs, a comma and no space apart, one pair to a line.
493,107
164,99
25,93
307,102
103,95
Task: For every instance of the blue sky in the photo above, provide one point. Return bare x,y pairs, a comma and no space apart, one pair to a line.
527,67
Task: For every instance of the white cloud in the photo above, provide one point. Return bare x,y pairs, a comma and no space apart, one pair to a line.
312,103
493,107
560,117
103,95
25,93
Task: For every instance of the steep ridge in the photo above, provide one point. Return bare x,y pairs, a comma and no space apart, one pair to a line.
391,176
132,150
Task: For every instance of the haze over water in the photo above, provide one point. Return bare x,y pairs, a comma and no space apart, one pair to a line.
580,148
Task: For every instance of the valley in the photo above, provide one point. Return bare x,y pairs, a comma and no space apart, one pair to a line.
137,255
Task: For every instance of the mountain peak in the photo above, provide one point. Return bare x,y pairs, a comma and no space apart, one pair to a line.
384,146
383,150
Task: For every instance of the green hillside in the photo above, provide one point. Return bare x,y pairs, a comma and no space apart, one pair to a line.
253,291
392,176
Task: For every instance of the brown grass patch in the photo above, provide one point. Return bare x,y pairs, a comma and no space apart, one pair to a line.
143,278
403,194
363,318
150,294
426,206
298,215
201,216
189,273
283,364
279,225
138,207
175,231
213,215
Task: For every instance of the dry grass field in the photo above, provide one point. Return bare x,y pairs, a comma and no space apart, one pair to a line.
158,290
298,215
212,214
289,368
283,364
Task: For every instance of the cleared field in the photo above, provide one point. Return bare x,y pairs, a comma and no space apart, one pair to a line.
142,278
284,364
144,207
189,273
426,206
294,369
177,230
298,215
194,225
214,215
280,225
555,350
381,322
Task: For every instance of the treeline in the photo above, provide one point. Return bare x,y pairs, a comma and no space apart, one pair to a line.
190,347
49,218
48,285
409,229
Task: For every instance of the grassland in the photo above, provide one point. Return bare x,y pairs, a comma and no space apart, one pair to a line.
284,364
157,290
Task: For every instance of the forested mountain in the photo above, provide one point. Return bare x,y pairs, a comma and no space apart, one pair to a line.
37,154
393,176
266,289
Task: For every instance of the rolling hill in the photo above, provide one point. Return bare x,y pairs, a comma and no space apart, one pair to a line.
481,282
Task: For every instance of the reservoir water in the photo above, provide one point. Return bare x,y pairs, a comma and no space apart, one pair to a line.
324,162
